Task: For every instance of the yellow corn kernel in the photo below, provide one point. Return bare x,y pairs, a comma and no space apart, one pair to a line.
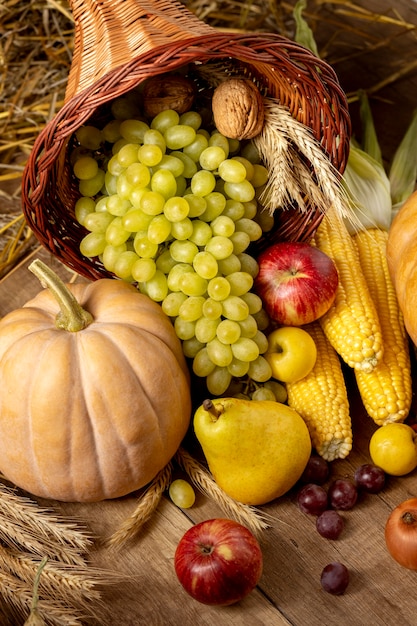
351,324
322,401
386,391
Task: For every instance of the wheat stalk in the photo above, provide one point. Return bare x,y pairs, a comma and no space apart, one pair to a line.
247,515
147,505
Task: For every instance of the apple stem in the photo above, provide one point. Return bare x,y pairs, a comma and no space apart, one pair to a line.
210,408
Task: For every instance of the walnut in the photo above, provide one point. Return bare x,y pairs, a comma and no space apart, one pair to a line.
167,91
238,108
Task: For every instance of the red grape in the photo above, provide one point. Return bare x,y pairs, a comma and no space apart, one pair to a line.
330,524
370,478
316,471
342,494
335,578
312,499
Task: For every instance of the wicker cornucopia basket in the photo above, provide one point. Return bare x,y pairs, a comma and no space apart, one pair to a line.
118,45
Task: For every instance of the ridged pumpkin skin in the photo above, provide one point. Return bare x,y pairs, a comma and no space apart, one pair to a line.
402,261
94,414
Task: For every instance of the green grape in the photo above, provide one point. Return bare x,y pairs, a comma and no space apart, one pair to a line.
111,254
259,370
238,368
231,171
234,145
138,174
183,251
250,152
156,287
197,204
251,209
265,219
240,283
83,207
202,364
184,330
164,120
260,175
234,209
250,227
111,131
191,118
97,222
217,139
243,191
249,327
118,145
165,262
212,157
191,347
181,493
253,301
124,264
163,182
202,183
179,136
248,264
133,130
220,353
172,164
228,331
150,155
240,241
190,166
245,349
212,309
85,168
117,206
192,308
263,393
234,308
110,183
115,233
92,186
152,202
89,137
182,230
201,233
261,340
124,107
93,244
205,329
172,303
192,284
101,204
215,206
223,226
159,229
154,137
176,209
218,381
218,288
205,265
229,265
175,274
135,220
123,187
181,186
143,247
143,270
220,247
128,154
204,132
278,389
262,319
194,149
247,164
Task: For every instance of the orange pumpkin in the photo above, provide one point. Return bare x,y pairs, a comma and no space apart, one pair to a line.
402,261
94,413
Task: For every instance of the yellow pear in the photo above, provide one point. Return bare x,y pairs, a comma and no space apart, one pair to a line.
255,450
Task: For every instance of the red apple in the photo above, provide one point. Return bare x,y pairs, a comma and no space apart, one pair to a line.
296,282
218,562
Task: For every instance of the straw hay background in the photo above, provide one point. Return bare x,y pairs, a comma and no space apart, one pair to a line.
371,44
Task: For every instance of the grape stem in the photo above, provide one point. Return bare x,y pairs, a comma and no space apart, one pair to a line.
71,317
211,409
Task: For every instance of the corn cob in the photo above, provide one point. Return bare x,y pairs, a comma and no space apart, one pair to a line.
322,401
351,324
386,391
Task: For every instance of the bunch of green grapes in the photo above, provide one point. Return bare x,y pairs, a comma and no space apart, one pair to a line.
174,209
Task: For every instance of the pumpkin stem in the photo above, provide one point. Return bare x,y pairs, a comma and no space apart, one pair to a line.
72,316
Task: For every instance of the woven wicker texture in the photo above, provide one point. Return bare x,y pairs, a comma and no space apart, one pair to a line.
119,44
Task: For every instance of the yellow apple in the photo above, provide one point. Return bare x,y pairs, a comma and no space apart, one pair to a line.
291,353
393,448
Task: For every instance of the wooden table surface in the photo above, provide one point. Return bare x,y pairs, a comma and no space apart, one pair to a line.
380,592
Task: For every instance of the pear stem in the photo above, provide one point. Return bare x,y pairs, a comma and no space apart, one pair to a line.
210,408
